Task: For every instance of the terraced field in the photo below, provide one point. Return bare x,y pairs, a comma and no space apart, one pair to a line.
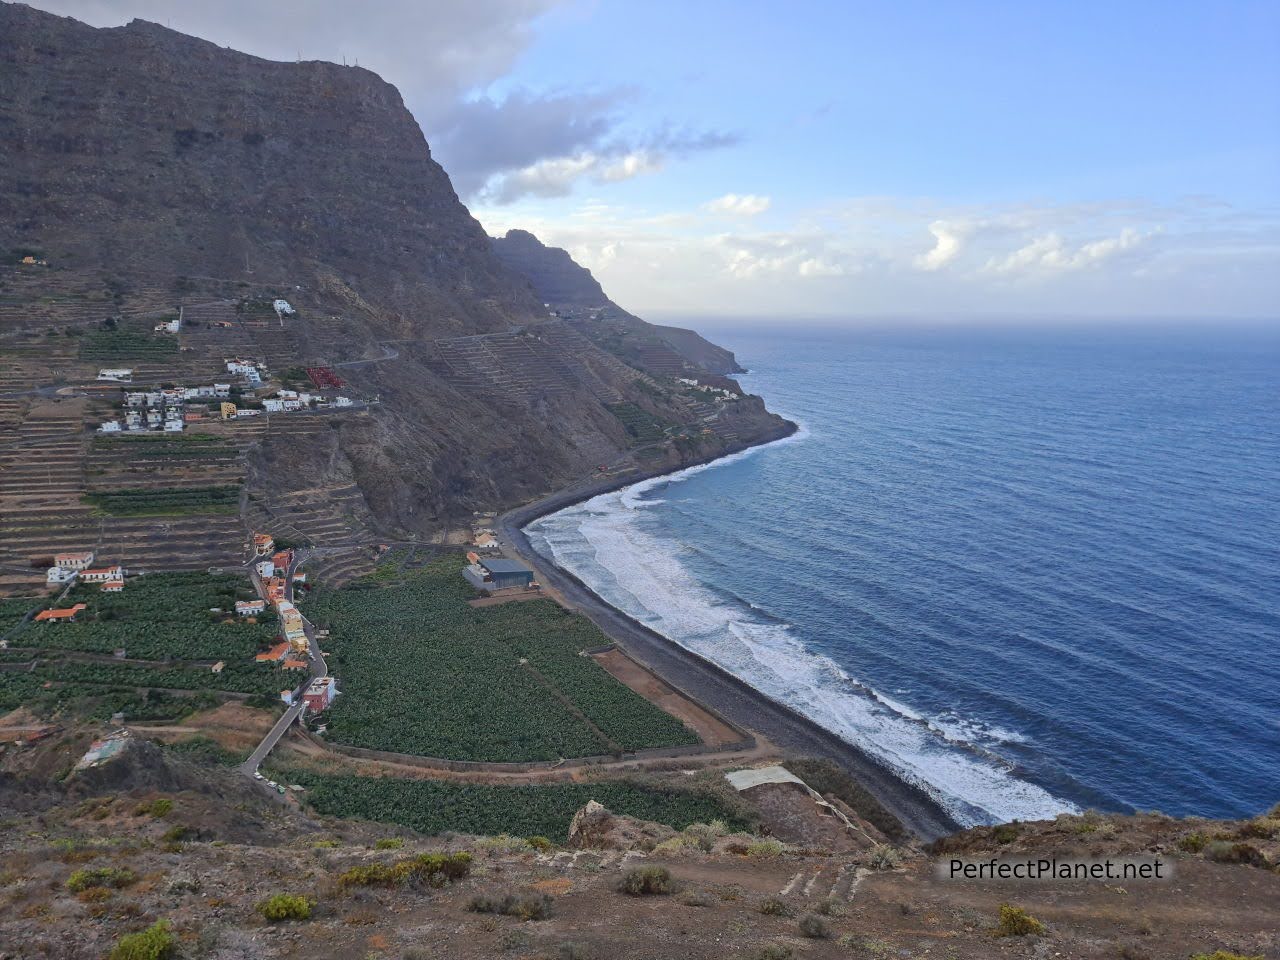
166,625
425,674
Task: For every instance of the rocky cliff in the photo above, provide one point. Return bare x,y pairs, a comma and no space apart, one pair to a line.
571,290
151,154
148,171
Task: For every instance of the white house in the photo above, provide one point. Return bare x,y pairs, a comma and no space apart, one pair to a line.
73,561
222,390
266,568
272,405
342,401
116,374
103,574
170,326
293,404
282,308
111,426
56,575
287,394
173,426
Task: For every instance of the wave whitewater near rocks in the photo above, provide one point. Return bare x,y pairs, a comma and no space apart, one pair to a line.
610,545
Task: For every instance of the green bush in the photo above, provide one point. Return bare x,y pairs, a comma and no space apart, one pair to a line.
388,843
100,877
1005,833
1224,955
1193,842
154,943
814,927
775,951
427,869
1016,922
1223,851
773,907
646,881
526,906
541,844
286,906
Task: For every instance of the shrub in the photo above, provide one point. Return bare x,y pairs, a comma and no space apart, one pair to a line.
773,907
1193,842
1222,851
286,906
426,869
158,807
830,907
775,951
100,877
646,881
814,927
94,895
388,843
178,834
883,857
542,845
1016,922
1005,833
1223,955
573,951
154,943
527,906
766,848
696,898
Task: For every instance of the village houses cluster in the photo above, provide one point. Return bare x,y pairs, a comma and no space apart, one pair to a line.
172,409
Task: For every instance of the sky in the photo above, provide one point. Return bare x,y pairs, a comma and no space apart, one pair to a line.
842,159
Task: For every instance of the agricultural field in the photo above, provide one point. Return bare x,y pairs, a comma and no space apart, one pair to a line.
164,618
13,609
95,701
128,342
179,446
435,806
160,616
144,502
642,427
423,673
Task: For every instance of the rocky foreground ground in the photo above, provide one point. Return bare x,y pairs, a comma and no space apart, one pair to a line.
217,867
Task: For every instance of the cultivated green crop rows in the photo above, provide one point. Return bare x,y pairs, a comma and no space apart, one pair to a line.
642,426
432,806
424,673
126,345
163,502
14,609
158,617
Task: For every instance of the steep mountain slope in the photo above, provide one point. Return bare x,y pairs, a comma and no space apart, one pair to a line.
573,292
147,171
151,154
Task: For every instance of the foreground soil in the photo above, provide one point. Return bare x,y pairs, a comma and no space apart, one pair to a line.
203,846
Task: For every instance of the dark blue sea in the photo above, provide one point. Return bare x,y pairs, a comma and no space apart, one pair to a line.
1032,570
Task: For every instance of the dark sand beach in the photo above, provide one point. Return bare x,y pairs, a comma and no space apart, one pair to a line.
706,682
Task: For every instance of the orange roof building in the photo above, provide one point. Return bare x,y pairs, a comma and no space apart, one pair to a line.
263,543
292,664
274,655
113,586
65,613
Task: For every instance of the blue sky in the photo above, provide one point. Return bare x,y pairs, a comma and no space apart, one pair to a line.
839,159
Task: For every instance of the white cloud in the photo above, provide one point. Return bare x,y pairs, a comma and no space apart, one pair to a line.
632,165
1050,253
743,205
947,242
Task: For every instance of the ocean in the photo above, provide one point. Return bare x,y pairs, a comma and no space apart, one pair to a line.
1032,570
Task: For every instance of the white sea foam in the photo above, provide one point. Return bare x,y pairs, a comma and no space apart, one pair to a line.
607,543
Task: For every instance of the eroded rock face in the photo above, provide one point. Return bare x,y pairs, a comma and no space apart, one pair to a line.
595,828
153,155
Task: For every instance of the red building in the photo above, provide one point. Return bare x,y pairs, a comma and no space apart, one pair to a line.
319,694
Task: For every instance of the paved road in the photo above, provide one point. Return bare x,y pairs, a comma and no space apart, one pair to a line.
318,668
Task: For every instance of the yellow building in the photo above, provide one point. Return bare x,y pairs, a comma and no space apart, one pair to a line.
228,410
